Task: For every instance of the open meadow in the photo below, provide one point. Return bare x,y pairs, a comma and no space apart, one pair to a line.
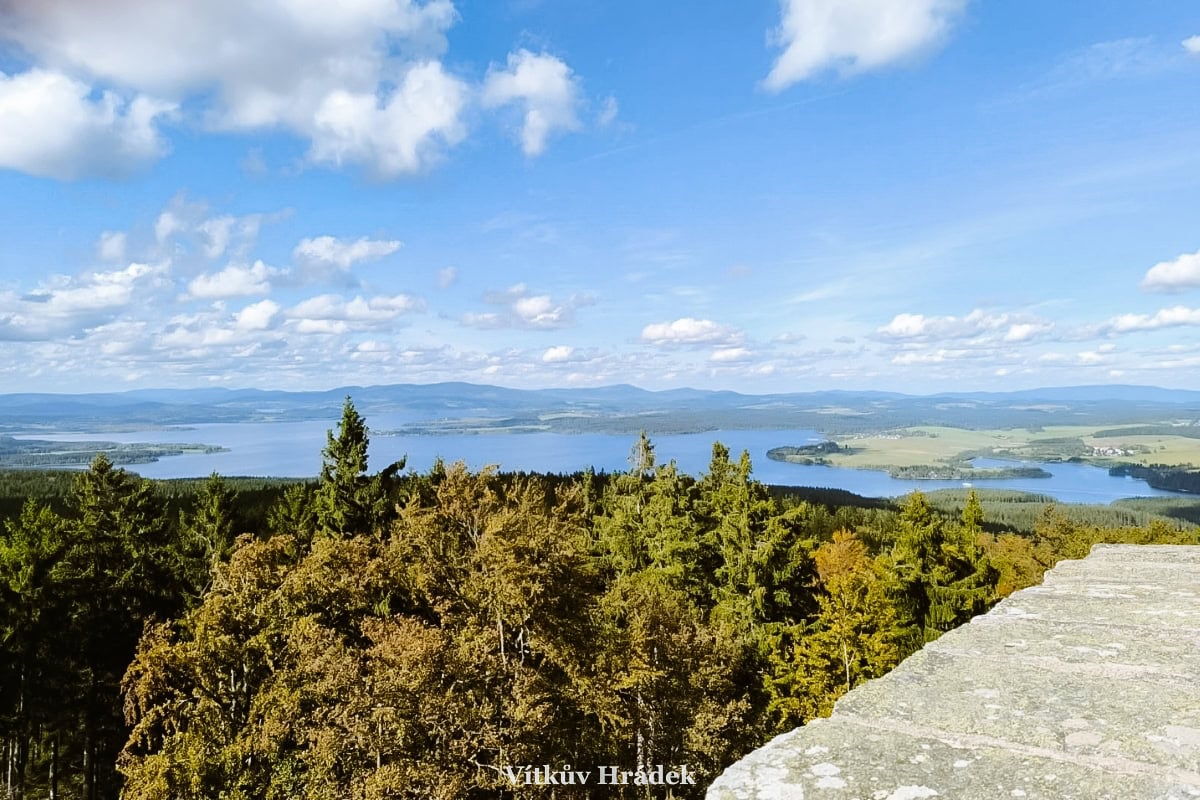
936,444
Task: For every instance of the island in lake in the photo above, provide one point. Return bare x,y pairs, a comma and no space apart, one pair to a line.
43,453
816,454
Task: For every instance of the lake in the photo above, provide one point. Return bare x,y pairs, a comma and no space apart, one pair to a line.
293,449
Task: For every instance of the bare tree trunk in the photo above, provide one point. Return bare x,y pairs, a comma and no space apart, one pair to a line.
17,791
89,764
54,767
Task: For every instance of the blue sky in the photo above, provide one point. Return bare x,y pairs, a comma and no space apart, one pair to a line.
911,195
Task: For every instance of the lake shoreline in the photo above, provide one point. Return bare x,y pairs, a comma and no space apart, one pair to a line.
293,450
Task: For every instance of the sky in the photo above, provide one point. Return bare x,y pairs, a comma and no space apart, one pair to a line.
763,196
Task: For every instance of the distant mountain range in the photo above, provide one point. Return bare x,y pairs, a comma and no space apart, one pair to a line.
455,407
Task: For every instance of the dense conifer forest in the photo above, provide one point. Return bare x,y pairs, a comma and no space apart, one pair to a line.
396,635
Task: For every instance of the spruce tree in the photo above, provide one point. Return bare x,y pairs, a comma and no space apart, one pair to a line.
209,528
944,579
348,501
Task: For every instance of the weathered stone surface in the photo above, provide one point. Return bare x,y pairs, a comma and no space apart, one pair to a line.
1086,687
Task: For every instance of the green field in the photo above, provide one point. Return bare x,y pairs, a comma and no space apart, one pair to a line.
916,446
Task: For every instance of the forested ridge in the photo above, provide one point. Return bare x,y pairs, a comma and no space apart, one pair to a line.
397,635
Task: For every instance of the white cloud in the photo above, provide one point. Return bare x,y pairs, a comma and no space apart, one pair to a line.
54,128
789,337
447,277
1182,272
316,69
65,305
558,355
855,35
195,337
930,357
362,82
547,90
485,320
1192,45
980,326
1026,331
234,281
688,330
538,311
216,232
331,314
111,246
725,355
259,57
167,225
100,290
332,252
257,316
906,326
520,309
1164,318
399,135
187,227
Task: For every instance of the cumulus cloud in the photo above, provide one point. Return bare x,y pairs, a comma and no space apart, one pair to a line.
363,83
54,127
331,314
324,71
447,277
1026,331
257,316
327,251
855,35
188,226
1164,318
1182,272
979,323
545,88
558,355
270,50
197,337
1192,45
725,355
397,135
216,233
688,330
521,309
67,305
907,326
233,281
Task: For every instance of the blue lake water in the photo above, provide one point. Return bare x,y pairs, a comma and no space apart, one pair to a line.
293,449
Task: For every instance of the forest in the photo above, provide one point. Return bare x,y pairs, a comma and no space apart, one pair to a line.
393,634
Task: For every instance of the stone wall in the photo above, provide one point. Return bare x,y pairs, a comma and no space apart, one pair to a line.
1085,687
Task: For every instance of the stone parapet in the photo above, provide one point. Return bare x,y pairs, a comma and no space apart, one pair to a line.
1086,687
